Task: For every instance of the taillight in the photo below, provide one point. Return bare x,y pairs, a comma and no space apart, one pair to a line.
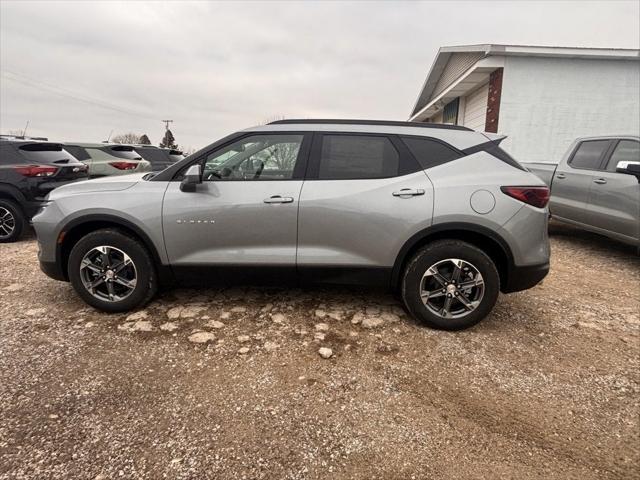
37,171
535,196
124,165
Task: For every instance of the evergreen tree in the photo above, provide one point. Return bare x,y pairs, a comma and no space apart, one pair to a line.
168,141
144,140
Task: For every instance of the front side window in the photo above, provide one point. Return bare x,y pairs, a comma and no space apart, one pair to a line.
588,154
258,157
357,157
626,151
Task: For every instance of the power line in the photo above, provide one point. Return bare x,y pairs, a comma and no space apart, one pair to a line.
23,79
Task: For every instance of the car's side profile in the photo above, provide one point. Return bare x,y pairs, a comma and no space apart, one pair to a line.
29,170
106,159
159,158
439,213
596,186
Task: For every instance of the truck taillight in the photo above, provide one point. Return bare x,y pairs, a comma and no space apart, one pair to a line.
124,165
535,196
37,171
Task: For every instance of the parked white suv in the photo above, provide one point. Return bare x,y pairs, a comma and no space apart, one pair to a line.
105,159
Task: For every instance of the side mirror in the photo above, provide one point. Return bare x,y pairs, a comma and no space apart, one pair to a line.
630,168
191,179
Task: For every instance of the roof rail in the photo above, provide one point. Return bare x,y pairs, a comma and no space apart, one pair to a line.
393,123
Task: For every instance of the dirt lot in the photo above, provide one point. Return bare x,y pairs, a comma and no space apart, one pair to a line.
546,387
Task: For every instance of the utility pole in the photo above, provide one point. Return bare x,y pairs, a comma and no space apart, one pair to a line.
166,129
24,132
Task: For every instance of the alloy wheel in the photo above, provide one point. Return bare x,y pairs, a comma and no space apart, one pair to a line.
7,223
108,273
452,288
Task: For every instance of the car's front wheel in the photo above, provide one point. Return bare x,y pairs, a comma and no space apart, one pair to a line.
450,285
112,271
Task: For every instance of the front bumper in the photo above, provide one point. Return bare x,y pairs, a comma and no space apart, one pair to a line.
522,278
53,270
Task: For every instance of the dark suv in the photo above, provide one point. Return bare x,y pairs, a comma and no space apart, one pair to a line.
159,158
29,170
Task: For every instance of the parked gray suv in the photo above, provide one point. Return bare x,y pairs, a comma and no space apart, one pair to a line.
438,213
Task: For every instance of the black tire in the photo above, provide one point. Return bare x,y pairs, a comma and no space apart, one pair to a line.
17,218
432,254
146,278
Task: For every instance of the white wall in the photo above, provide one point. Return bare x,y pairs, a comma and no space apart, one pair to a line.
547,102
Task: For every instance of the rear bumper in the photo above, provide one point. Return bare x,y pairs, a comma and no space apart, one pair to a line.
522,278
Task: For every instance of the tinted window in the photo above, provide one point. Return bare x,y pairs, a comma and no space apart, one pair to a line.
626,151
258,157
78,152
588,154
45,153
124,152
430,153
357,156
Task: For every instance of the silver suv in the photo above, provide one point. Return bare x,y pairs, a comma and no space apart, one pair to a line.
438,213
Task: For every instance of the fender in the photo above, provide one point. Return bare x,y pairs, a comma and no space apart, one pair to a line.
12,192
439,231
164,272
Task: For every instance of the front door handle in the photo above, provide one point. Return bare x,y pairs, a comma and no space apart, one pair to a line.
561,176
600,181
278,199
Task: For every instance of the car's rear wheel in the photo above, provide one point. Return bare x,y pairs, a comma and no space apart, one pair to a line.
12,221
450,285
112,271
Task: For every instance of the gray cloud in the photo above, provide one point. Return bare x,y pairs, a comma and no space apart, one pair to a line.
219,67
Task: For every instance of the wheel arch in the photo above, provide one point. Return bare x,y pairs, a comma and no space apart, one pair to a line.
73,231
9,192
483,238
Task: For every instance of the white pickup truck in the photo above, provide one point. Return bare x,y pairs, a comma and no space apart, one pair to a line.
596,186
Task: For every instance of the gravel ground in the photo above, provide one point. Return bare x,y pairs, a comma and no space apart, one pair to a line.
546,387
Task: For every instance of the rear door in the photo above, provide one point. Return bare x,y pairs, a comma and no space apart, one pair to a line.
572,180
363,196
614,199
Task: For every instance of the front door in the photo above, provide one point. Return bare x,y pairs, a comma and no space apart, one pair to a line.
245,211
614,200
572,181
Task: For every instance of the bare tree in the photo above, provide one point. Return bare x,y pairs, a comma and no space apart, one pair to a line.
129,138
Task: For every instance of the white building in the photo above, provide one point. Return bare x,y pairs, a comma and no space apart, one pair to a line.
541,97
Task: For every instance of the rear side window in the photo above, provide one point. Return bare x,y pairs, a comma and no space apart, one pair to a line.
357,157
588,154
78,152
626,151
430,153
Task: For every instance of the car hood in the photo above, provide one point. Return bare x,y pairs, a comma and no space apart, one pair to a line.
105,184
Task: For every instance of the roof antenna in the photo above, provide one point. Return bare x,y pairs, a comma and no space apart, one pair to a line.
109,137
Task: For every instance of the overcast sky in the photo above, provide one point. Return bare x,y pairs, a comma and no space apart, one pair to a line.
77,70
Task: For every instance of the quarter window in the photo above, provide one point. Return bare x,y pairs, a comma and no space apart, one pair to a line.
258,157
357,157
626,151
588,154
430,153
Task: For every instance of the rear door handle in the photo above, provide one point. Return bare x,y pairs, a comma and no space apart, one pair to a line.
600,181
409,192
561,176
278,199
